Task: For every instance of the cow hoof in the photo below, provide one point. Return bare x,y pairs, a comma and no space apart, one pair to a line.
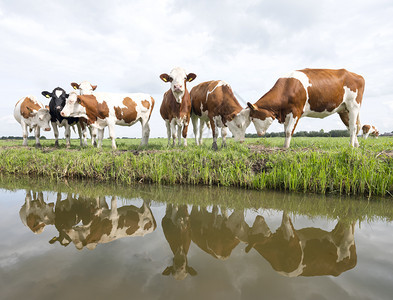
214,146
38,145
57,144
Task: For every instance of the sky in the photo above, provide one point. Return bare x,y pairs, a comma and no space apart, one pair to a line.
123,46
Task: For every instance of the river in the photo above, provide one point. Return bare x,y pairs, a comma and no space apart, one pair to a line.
85,240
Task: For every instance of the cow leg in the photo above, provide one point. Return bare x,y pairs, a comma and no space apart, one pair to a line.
224,133
145,133
185,129
353,127
93,134
201,127
168,131
37,136
100,136
81,133
111,128
215,134
67,134
289,128
194,120
173,130
56,132
25,133
179,134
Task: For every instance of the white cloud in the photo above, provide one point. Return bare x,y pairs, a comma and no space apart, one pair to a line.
124,46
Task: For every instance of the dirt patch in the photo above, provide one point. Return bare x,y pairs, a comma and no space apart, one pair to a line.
260,166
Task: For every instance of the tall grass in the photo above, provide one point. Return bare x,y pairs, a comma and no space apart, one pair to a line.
318,165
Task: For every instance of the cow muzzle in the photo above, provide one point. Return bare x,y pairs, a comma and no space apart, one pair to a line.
47,129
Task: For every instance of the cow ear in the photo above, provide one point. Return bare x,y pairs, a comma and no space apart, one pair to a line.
165,77
251,106
168,271
75,85
93,87
46,94
191,77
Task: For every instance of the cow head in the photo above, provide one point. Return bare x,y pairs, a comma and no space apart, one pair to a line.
85,87
57,100
43,118
178,79
74,107
180,268
262,118
238,124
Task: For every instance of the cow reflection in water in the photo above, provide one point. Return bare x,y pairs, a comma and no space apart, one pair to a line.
87,222
177,230
217,234
305,252
35,213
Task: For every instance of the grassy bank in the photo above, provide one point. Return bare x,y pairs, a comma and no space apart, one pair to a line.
320,165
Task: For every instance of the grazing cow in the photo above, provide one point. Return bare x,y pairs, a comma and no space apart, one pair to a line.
86,88
370,130
89,222
214,101
31,113
304,252
176,104
56,104
35,213
108,109
177,230
315,93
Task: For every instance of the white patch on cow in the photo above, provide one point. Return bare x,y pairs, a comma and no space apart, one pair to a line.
218,121
58,93
304,80
262,125
220,83
302,77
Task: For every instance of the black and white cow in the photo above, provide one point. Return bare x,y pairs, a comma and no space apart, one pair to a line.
56,104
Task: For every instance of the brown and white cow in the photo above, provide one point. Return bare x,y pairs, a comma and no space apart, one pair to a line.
315,93
96,223
86,88
176,104
370,130
35,213
177,230
214,102
109,109
307,251
31,113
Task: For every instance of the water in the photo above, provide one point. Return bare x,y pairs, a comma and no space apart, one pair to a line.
82,240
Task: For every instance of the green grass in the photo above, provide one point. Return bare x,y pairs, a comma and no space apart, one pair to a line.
317,165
